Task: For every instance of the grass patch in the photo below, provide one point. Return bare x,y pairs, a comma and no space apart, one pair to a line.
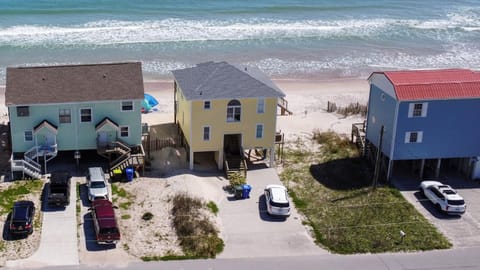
119,191
213,207
331,188
77,202
198,236
125,205
121,196
16,192
169,258
127,216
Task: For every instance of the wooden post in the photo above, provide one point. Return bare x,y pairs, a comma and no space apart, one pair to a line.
377,160
422,167
437,170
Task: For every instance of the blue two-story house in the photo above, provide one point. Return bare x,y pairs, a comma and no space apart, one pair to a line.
73,108
429,119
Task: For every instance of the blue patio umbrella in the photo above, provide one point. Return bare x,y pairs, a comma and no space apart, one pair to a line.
148,103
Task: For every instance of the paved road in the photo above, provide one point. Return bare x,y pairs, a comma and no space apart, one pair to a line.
250,232
58,243
465,258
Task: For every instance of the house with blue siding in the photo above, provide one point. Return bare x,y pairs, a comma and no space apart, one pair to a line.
73,108
429,120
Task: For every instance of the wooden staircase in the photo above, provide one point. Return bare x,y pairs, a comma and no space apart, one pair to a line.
123,155
29,165
283,104
358,136
234,165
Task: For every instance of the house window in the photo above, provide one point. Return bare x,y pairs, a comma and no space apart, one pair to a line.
124,131
206,133
64,116
414,137
234,110
85,115
261,105
207,105
127,105
28,135
23,111
417,110
259,131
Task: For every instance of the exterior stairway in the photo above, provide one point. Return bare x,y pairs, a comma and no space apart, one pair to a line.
235,164
29,165
283,104
124,156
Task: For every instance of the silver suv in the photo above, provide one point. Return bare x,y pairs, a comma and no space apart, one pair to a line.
277,201
96,183
444,197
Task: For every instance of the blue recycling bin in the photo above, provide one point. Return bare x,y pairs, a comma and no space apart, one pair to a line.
246,191
129,174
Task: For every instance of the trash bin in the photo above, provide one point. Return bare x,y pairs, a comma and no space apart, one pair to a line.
246,191
117,175
238,191
129,174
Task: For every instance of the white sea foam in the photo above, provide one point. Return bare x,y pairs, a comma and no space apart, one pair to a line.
170,30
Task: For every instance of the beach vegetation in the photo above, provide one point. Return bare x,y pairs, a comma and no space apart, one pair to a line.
198,236
17,191
331,187
121,196
213,207
351,109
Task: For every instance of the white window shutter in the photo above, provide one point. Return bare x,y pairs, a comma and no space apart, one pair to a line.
424,109
419,136
407,136
410,109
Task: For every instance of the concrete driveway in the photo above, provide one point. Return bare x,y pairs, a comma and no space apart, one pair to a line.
462,231
250,232
58,242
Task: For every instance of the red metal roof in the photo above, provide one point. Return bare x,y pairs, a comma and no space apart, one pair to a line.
435,84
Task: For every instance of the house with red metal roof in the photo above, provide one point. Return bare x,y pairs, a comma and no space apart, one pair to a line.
426,120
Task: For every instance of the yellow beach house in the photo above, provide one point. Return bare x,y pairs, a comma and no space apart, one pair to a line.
225,109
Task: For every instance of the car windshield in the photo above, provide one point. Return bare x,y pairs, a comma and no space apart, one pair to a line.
97,185
449,192
276,204
20,213
456,202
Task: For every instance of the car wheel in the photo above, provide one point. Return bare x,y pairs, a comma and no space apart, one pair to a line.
439,208
422,192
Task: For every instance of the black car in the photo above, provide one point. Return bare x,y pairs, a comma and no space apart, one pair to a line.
21,221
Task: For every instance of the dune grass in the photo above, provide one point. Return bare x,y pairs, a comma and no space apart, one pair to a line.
331,188
197,234
17,191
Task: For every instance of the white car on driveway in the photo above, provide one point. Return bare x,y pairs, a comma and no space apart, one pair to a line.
96,183
444,197
277,201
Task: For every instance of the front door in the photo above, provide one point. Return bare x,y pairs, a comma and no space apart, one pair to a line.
102,138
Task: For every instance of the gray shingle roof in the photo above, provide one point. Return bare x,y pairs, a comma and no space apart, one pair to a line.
219,80
73,83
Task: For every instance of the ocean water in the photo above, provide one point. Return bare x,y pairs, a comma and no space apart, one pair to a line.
287,39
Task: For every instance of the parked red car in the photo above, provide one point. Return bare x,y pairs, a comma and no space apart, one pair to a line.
104,222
